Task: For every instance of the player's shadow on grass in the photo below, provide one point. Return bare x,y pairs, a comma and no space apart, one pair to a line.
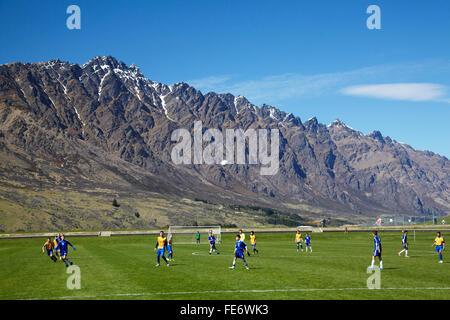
390,268
251,268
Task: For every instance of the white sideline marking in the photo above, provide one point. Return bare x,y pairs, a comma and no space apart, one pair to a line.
236,291
207,254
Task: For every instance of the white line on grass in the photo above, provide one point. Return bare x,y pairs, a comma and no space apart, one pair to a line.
233,291
307,255
208,254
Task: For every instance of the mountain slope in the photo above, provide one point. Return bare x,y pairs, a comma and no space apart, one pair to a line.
104,125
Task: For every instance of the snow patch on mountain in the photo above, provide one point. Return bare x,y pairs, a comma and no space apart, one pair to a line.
163,104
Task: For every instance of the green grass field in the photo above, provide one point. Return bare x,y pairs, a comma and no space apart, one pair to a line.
124,268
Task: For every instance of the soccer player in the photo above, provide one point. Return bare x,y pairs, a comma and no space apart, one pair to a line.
48,245
56,240
253,242
405,244
308,242
242,235
376,251
169,248
62,247
212,243
239,250
197,237
440,245
161,245
299,240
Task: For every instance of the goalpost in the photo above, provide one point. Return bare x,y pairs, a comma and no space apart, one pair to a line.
188,234
309,229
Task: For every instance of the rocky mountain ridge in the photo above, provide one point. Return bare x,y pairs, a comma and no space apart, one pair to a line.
104,124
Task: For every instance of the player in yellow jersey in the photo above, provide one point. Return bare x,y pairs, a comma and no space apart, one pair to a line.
440,245
48,245
55,244
242,235
253,242
160,248
298,240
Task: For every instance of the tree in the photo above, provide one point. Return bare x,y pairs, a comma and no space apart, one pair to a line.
115,203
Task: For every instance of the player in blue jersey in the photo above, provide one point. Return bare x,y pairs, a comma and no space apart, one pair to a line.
377,250
212,243
308,242
63,249
404,244
239,252
169,248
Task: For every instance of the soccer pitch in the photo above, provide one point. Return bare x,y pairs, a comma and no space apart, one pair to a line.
123,267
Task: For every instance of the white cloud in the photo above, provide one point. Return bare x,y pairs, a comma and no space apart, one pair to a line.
279,88
209,82
400,91
276,88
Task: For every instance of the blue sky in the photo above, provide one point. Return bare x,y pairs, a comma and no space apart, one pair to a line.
311,58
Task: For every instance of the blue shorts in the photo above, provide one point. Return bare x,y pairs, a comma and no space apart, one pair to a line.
439,248
254,245
63,253
405,245
376,253
160,252
239,254
49,252
308,244
299,242
169,248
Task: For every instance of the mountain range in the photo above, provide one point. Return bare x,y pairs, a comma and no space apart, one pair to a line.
104,126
